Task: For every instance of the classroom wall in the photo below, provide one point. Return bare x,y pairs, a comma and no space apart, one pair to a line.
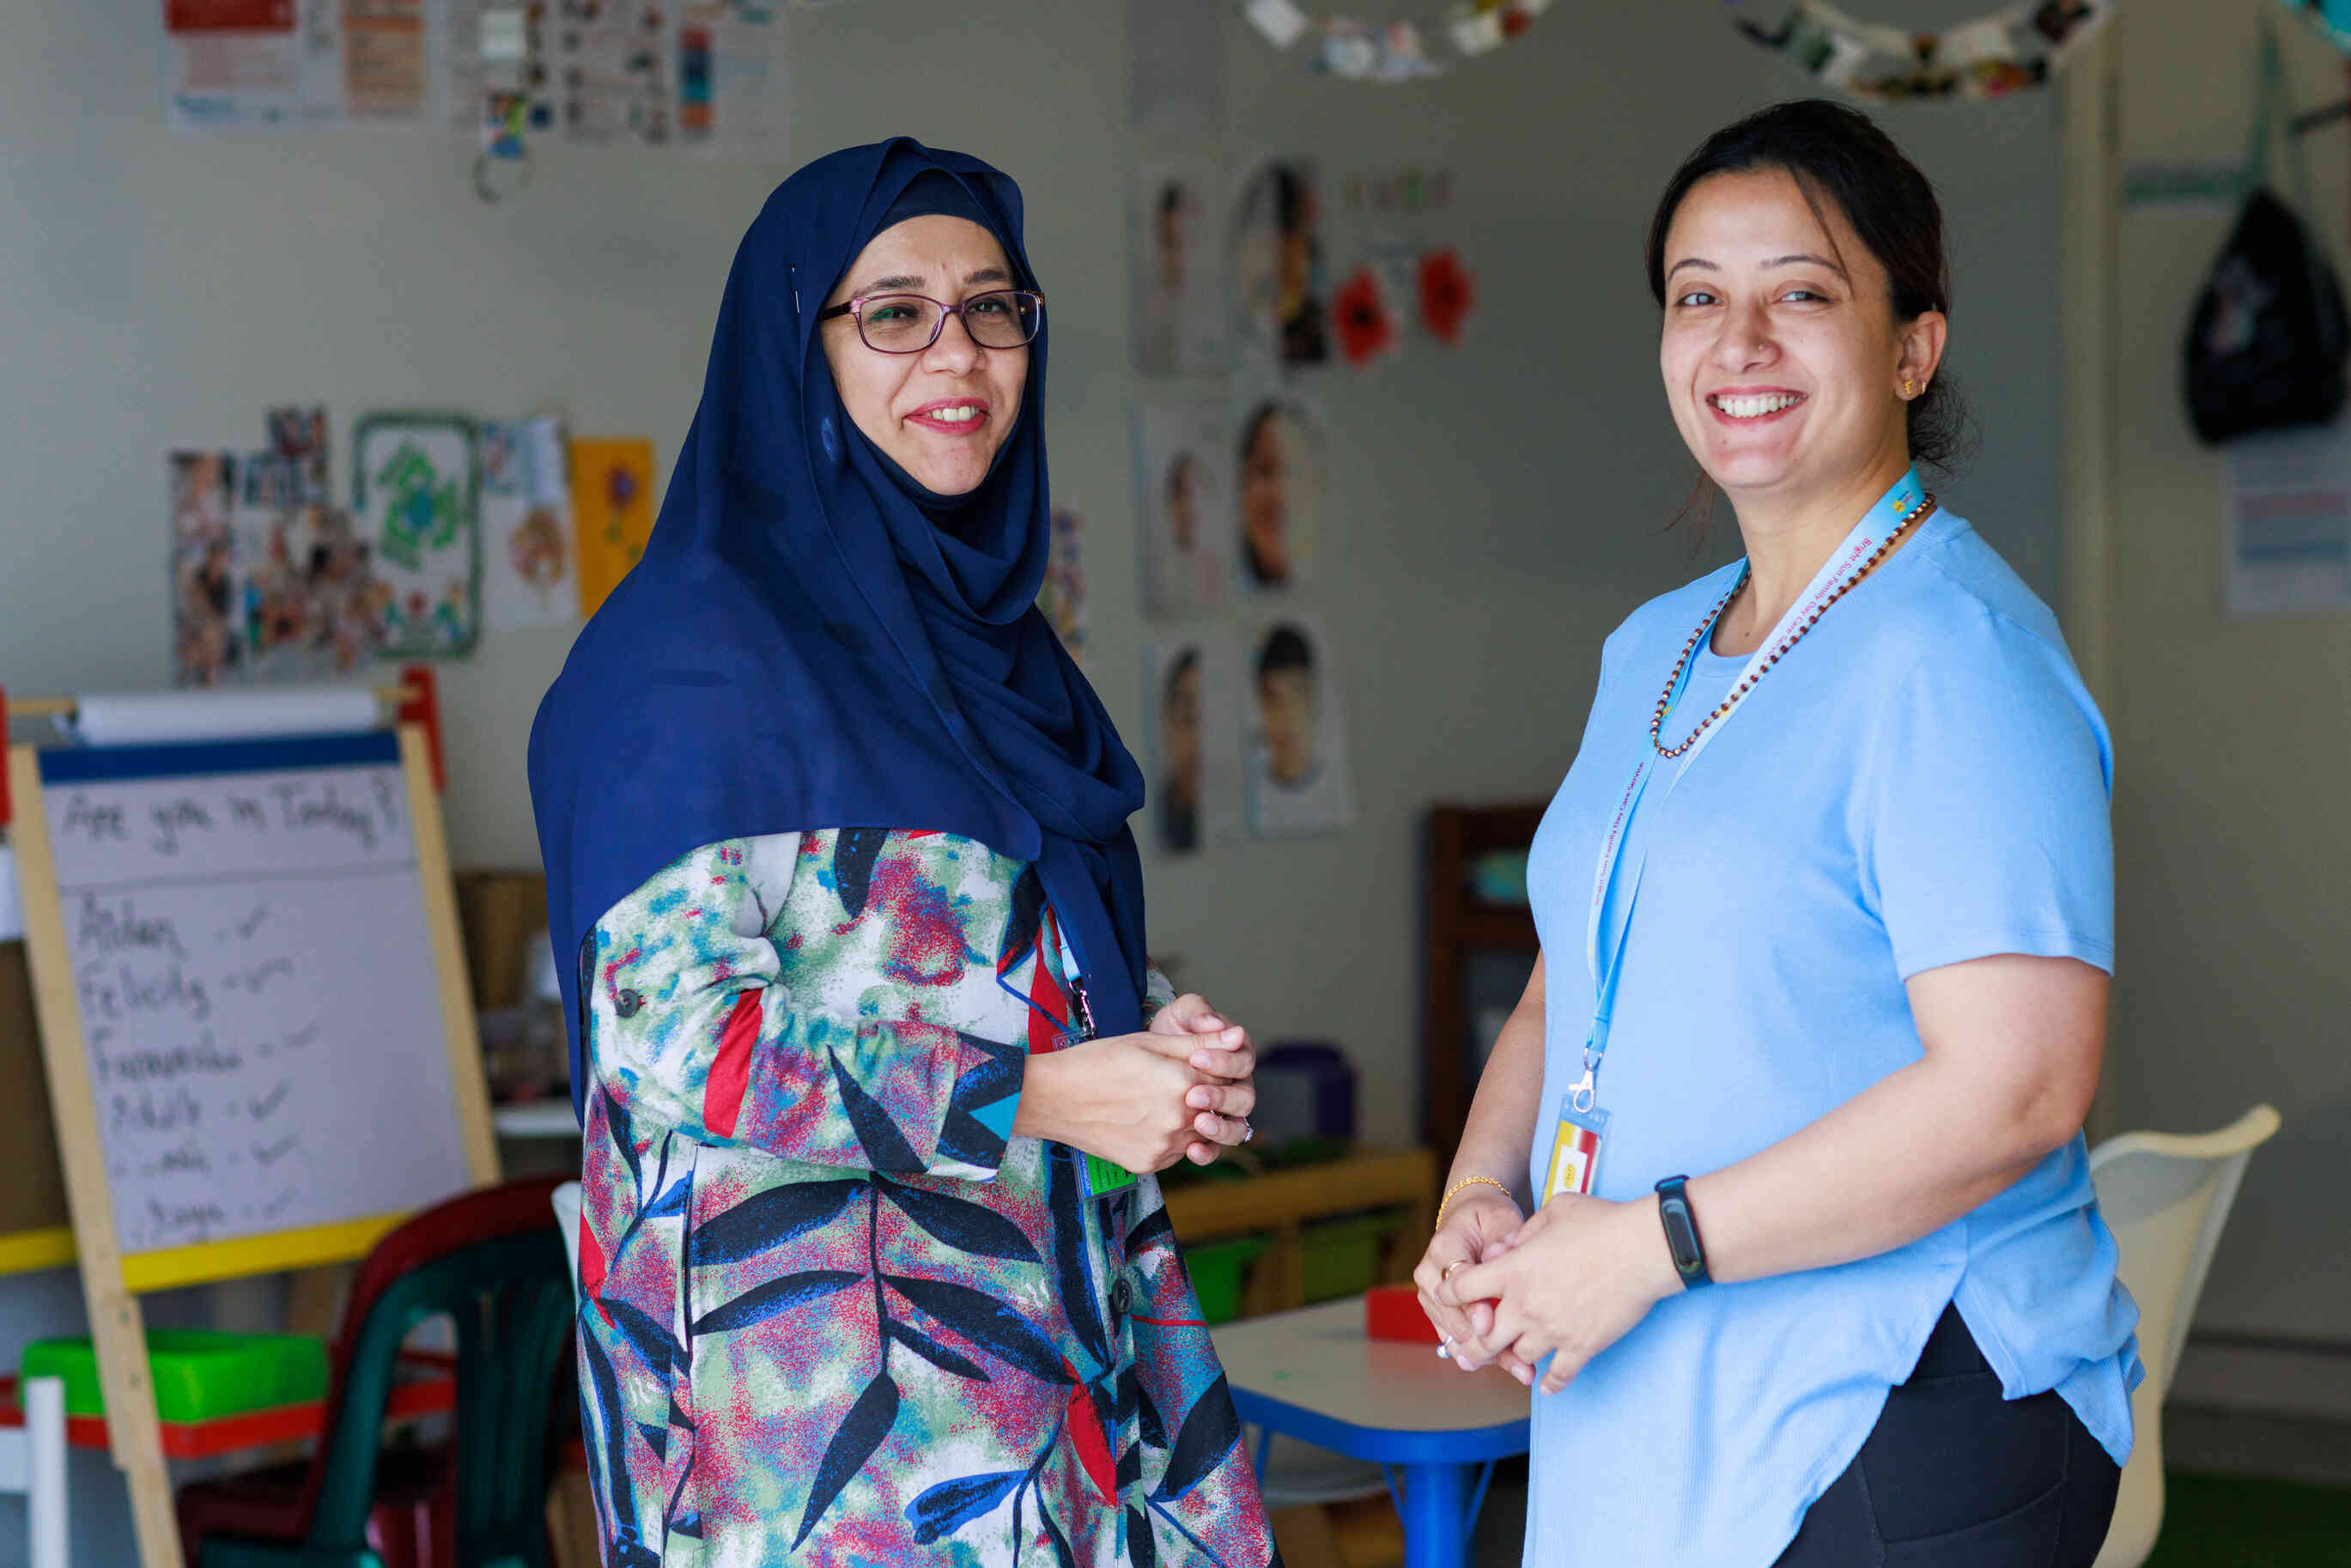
2231,736
1491,514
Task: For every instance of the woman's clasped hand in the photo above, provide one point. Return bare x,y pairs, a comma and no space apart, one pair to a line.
1566,1283
1180,1089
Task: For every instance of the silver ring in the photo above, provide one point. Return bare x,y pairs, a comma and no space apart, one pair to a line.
1248,1131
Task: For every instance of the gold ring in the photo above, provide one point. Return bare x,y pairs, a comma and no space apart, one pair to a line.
1446,1277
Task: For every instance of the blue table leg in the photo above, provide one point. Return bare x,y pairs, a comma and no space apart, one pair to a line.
1436,1511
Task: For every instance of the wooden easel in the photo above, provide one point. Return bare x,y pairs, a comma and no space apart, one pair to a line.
112,1280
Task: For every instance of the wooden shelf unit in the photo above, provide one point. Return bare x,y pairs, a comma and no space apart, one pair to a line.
1280,1203
1454,923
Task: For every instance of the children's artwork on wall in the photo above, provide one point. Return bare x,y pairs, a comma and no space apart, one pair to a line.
1062,599
311,609
612,509
416,485
1279,458
298,432
1180,317
207,649
1280,302
268,584
1185,463
1297,775
1191,702
529,576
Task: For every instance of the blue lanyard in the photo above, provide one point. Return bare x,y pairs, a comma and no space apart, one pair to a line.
1844,563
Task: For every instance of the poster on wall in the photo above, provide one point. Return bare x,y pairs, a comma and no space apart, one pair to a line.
1181,318
416,485
269,581
1281,300
612,511
2286,522
733,101
1191,704
612,70
242,65
1279,461
387,61
529,576
1296,776
310,606
205,603
1184,466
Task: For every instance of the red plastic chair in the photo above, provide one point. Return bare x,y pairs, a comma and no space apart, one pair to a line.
412,1514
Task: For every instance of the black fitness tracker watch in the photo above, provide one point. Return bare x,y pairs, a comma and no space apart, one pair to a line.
1681,1233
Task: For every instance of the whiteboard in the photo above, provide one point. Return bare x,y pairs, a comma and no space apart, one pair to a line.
246,927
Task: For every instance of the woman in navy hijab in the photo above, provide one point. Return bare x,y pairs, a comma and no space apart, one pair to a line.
864,1041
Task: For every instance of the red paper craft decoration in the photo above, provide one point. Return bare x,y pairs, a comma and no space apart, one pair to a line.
1447,293
1364,325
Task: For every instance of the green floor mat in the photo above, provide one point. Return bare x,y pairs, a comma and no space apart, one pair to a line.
2233,1521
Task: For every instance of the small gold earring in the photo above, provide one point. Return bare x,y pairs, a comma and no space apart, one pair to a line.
1908,387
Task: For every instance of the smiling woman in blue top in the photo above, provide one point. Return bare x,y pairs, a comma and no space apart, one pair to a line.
1815,1273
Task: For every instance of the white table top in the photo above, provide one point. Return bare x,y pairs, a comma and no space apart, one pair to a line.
535,1119
1318,1359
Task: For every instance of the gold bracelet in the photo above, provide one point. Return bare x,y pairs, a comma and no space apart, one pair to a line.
1457,1189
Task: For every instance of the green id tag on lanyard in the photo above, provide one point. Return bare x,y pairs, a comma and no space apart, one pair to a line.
1105,1176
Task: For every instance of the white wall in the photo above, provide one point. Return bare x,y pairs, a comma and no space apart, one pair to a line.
2233,844
1493,513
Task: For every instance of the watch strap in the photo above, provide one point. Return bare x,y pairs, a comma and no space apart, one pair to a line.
1682,1239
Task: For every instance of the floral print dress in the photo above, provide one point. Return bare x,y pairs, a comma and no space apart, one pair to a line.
832,1311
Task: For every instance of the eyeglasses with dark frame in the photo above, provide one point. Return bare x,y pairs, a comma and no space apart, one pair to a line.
910,323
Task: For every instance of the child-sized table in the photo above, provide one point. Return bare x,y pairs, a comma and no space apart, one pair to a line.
1314,1376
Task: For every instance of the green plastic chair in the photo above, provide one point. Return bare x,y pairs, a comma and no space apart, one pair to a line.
494,1262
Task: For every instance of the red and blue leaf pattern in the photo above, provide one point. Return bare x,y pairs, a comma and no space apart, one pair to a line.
830,1349
949,1506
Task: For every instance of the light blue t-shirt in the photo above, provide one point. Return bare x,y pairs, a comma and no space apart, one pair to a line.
1922,780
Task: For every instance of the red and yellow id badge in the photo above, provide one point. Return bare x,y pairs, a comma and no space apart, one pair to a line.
1575,1151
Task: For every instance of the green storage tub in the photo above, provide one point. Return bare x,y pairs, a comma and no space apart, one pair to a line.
1342,1257
1216,1270
199,1375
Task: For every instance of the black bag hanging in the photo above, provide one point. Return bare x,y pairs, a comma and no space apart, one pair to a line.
2266,344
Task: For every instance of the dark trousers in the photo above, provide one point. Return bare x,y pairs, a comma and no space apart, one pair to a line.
1953,1475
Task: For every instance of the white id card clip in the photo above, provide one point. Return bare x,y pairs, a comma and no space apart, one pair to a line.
1575,1151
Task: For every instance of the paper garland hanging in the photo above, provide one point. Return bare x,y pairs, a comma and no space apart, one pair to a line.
1990,56
1392,52
2331,18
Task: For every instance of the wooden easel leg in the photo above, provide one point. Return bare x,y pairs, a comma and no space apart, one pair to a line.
119,1333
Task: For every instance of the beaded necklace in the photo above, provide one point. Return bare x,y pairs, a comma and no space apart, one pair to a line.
1903,525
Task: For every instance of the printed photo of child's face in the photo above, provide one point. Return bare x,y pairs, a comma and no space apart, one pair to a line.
1288,706
1171,221
1265,462
1184,502
1179,730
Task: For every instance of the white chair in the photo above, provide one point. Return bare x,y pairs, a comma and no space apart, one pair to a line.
2166,1197
567,1219
33,1461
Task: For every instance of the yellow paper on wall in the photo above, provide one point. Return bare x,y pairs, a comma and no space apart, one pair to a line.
611,507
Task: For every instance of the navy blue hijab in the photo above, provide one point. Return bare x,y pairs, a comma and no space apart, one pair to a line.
812,641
